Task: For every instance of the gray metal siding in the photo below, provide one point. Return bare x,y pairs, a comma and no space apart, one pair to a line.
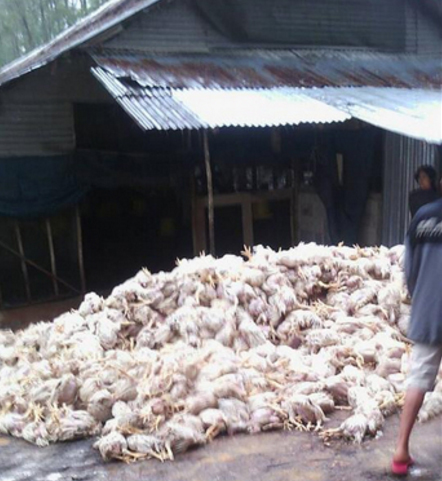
423,35
352,23
36,129
36,114
402,157
68,80
181,26
176,28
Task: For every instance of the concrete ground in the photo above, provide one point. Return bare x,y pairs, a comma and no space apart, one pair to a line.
278,456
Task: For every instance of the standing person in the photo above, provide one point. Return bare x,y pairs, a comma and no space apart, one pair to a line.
423,266
427,192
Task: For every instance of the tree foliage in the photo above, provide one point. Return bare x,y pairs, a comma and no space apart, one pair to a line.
26,24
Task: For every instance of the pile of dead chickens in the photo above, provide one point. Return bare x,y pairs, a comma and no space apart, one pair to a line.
274,340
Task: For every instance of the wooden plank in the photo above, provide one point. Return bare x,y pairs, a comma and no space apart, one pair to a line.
194,219
210,205
247,222
36,266
224,200
294,203
80,250
24,266
52,254
200,226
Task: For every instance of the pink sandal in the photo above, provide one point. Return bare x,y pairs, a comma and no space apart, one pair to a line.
401,469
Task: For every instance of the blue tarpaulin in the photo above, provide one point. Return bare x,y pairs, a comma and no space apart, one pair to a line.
38,186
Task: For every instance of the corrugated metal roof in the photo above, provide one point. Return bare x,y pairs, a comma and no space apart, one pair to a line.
106,20
415,113
100,21
152,109
268,69
402,157
260,107
165,108
201,92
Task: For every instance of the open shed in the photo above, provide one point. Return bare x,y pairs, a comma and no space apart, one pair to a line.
157,129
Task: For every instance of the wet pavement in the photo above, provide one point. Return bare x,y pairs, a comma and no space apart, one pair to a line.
278,456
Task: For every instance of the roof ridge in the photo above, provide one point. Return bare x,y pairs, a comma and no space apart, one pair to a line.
89,27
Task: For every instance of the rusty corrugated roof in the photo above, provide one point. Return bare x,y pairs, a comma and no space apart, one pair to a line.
173,109
152,109
206,92
269,69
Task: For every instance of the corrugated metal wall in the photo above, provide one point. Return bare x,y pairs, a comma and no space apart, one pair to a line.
64,80
36,128
423,35
36,114
402,157
353,23
177,27
377,24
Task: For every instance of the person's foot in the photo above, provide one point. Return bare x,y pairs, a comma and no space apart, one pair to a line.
400,464
402,456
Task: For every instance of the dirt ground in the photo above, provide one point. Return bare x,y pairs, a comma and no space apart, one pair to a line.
278,456
21,317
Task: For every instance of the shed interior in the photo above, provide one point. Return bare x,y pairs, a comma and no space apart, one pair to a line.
145,201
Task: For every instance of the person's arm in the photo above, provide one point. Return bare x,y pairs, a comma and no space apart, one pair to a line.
411,261
409,277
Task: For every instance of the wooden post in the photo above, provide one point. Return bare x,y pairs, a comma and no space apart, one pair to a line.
201,223
193,213
80,250
247,220
24,266
210,205
52,254
36,266
294,202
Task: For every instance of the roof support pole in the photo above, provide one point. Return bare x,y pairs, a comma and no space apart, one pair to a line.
24,267
52,254
26,261
80,249
210,205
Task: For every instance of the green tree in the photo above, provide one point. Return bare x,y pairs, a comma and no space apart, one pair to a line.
26,24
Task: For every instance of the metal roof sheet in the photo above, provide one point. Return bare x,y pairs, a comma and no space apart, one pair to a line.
152,109
250,90
415,113
171,109
98,22
259,108
268,69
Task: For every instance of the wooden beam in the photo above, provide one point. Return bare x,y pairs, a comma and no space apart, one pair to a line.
80,250
24,266
193,201
52,254
36,266
294,203
211,213
224,200
247,222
